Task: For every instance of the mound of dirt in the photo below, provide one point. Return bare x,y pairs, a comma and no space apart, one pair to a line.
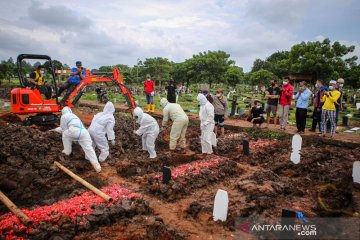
139,227
27,173
10,118
85,212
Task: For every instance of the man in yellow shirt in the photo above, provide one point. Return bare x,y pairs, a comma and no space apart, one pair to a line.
329,98
37,81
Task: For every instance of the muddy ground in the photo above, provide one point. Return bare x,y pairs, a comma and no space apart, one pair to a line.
261,184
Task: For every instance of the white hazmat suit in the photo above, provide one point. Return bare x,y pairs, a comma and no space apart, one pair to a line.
207,124
174,112
72,129
149,130
102,126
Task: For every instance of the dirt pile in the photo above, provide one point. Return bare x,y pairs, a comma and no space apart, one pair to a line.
226,146
139,227
27,173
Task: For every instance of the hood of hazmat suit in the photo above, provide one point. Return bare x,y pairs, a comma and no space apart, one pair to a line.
138,114
201,99
164,102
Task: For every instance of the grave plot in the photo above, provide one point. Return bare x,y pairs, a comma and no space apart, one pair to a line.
187,177
140,165
232,144
76,214
226,146
138,227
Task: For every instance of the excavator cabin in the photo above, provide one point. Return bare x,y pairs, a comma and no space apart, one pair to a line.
27,99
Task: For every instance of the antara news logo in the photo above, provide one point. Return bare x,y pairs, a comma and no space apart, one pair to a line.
299,229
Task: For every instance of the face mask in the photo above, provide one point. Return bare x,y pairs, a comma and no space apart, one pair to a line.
285,83
42,71
341,85
218,95
258,107
331,88
148,79
316,86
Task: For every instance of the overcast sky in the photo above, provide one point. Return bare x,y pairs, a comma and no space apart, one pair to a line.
104,32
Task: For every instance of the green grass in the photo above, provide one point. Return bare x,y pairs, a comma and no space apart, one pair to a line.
13,82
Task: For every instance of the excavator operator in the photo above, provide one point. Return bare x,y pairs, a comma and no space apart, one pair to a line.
37,81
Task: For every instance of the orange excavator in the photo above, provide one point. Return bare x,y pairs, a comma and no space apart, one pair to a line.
28,100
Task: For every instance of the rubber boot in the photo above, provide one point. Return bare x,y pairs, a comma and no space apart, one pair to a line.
153,108
148,108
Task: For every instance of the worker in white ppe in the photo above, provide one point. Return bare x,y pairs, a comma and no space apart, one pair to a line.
72,129
149,130
102,130
175,113
207,124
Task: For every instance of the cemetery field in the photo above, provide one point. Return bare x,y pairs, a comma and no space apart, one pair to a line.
146,205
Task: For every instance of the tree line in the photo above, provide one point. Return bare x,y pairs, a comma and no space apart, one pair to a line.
8,68
318,60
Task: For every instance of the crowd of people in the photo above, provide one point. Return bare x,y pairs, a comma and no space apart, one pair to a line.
213,111
327,102
212,114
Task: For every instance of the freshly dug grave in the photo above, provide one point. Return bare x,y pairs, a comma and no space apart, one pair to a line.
187,177
27,173
70,216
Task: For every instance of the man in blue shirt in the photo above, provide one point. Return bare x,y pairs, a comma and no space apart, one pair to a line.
302,96
77,74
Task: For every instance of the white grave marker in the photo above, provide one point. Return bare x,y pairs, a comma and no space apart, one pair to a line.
356,172
221,205
357,106
296,147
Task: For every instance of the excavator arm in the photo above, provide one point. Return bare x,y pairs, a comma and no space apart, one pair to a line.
100,77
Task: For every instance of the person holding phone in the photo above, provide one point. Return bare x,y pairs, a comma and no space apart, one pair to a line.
329,99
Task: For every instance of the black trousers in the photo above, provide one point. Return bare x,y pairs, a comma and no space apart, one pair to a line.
301,118
69,87
46,90
64,87
171,98
316,119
